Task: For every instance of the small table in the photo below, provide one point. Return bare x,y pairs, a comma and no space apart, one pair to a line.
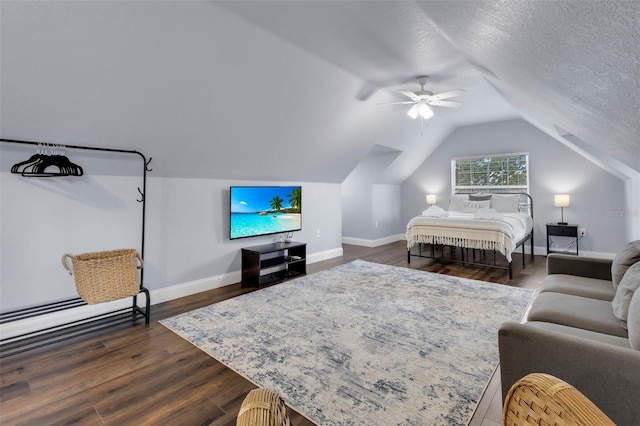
558,230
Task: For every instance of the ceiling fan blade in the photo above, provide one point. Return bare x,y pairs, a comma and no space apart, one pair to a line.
410,95
450,104
397,103
447,95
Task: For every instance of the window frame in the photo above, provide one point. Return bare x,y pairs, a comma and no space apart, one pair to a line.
488,188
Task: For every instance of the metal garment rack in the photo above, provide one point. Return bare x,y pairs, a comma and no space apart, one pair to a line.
35,339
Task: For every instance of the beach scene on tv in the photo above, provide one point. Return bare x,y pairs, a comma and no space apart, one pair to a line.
265,210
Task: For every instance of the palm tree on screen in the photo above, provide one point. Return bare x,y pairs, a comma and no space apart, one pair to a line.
276,203
295,199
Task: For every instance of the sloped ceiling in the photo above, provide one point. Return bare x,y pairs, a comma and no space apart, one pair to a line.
289,90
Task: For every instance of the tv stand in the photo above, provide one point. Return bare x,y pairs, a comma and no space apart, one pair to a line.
269,264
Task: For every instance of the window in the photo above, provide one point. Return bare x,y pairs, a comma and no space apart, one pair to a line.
496,173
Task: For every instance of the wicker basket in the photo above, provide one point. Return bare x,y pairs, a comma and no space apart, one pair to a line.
542,399
106,275
263,407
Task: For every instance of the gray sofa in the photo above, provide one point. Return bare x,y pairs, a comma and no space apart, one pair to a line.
584,328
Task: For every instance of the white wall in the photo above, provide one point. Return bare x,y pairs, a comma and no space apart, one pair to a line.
386,211
370,211
187,225
553,169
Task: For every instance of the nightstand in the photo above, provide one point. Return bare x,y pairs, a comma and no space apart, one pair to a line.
555,230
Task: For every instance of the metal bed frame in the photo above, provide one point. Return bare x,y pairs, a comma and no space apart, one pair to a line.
528,205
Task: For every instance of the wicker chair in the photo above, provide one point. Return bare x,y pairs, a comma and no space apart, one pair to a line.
263,407
542,399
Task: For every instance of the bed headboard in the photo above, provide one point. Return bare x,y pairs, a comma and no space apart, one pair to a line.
525,205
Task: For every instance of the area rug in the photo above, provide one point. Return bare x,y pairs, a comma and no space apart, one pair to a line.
364,343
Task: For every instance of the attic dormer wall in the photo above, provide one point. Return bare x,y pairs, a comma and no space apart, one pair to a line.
598,198
370,211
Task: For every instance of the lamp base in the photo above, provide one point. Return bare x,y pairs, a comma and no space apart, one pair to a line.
563,223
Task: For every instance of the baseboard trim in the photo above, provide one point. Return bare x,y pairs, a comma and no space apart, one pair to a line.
324,255
373,243
189,288
160,295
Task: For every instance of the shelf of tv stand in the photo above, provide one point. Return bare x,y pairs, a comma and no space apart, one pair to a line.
269,264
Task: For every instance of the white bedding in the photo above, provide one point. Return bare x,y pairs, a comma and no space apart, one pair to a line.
501,232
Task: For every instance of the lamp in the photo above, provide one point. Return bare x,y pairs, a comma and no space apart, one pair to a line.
431,199
562,201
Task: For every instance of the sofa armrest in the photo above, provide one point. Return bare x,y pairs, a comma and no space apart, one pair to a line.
606,374
589,267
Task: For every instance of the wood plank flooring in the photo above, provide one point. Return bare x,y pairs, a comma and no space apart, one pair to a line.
147,375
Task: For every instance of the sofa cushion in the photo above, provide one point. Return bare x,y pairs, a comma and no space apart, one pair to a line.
629,255
633,321
580,266
579,286
585,334
628,285
576,311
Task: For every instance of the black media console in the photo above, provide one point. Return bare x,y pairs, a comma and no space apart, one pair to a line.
273,263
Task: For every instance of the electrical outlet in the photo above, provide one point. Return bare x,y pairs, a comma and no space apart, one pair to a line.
583,232
318,233
376,223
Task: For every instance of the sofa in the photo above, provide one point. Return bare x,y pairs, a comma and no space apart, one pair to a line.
584,328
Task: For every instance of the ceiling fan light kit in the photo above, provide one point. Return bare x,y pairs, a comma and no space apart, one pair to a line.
421,109
422,100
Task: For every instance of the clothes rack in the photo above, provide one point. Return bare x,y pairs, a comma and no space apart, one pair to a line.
34,339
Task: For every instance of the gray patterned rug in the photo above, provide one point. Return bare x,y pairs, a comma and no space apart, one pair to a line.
363,343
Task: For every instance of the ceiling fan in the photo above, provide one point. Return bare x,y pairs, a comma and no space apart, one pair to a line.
423,99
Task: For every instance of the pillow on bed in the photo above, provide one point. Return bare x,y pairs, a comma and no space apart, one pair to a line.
456,202
506,203
474,206
479,197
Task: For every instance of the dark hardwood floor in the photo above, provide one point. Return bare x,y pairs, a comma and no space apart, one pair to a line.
148,375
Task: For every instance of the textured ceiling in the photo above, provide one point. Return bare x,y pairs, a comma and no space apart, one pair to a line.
572,64
564,63
285,90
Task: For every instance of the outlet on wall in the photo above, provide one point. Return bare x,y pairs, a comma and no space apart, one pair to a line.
376,223
318,233
582,232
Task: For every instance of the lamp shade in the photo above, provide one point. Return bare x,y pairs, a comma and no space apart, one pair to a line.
413,111
425,111
431,199
562,200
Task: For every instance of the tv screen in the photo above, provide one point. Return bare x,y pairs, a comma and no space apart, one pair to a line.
264,210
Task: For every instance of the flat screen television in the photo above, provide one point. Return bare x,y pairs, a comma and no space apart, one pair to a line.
264,210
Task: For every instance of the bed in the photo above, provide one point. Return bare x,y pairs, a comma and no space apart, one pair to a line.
487,222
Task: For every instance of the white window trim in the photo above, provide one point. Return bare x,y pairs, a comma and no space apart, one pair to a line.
515,188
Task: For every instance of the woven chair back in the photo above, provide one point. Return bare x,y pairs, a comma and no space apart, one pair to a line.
263,407
542,399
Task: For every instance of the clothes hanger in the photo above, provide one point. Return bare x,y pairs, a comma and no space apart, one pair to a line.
46,157
35,158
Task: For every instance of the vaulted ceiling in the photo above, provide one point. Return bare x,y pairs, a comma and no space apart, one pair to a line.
282,90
